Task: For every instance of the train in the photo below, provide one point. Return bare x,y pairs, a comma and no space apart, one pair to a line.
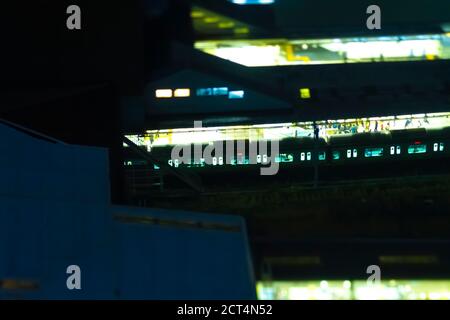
408,144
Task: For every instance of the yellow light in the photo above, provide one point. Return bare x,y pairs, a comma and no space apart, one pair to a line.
211,20
197,14
243,30
226,25
181,93
305,93
163,93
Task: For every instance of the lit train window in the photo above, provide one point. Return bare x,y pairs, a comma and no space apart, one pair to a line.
302,156
375,152
283,157
417,148
392,150
258,158
336,155
441,146
322,155
349,153
308,156
220,161
355,153
435,147
399,150
214,161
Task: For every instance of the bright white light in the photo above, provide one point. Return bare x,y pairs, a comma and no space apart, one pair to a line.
236,94
244,2
386,49
179,93
347,284
252,56
164,93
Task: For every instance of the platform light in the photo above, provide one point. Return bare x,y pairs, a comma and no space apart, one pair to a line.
347,284
163,93
182,93
305,93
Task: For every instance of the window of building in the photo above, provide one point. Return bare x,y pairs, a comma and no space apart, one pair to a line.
222,91
305,93
239,94
182,93
207,92
163,93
